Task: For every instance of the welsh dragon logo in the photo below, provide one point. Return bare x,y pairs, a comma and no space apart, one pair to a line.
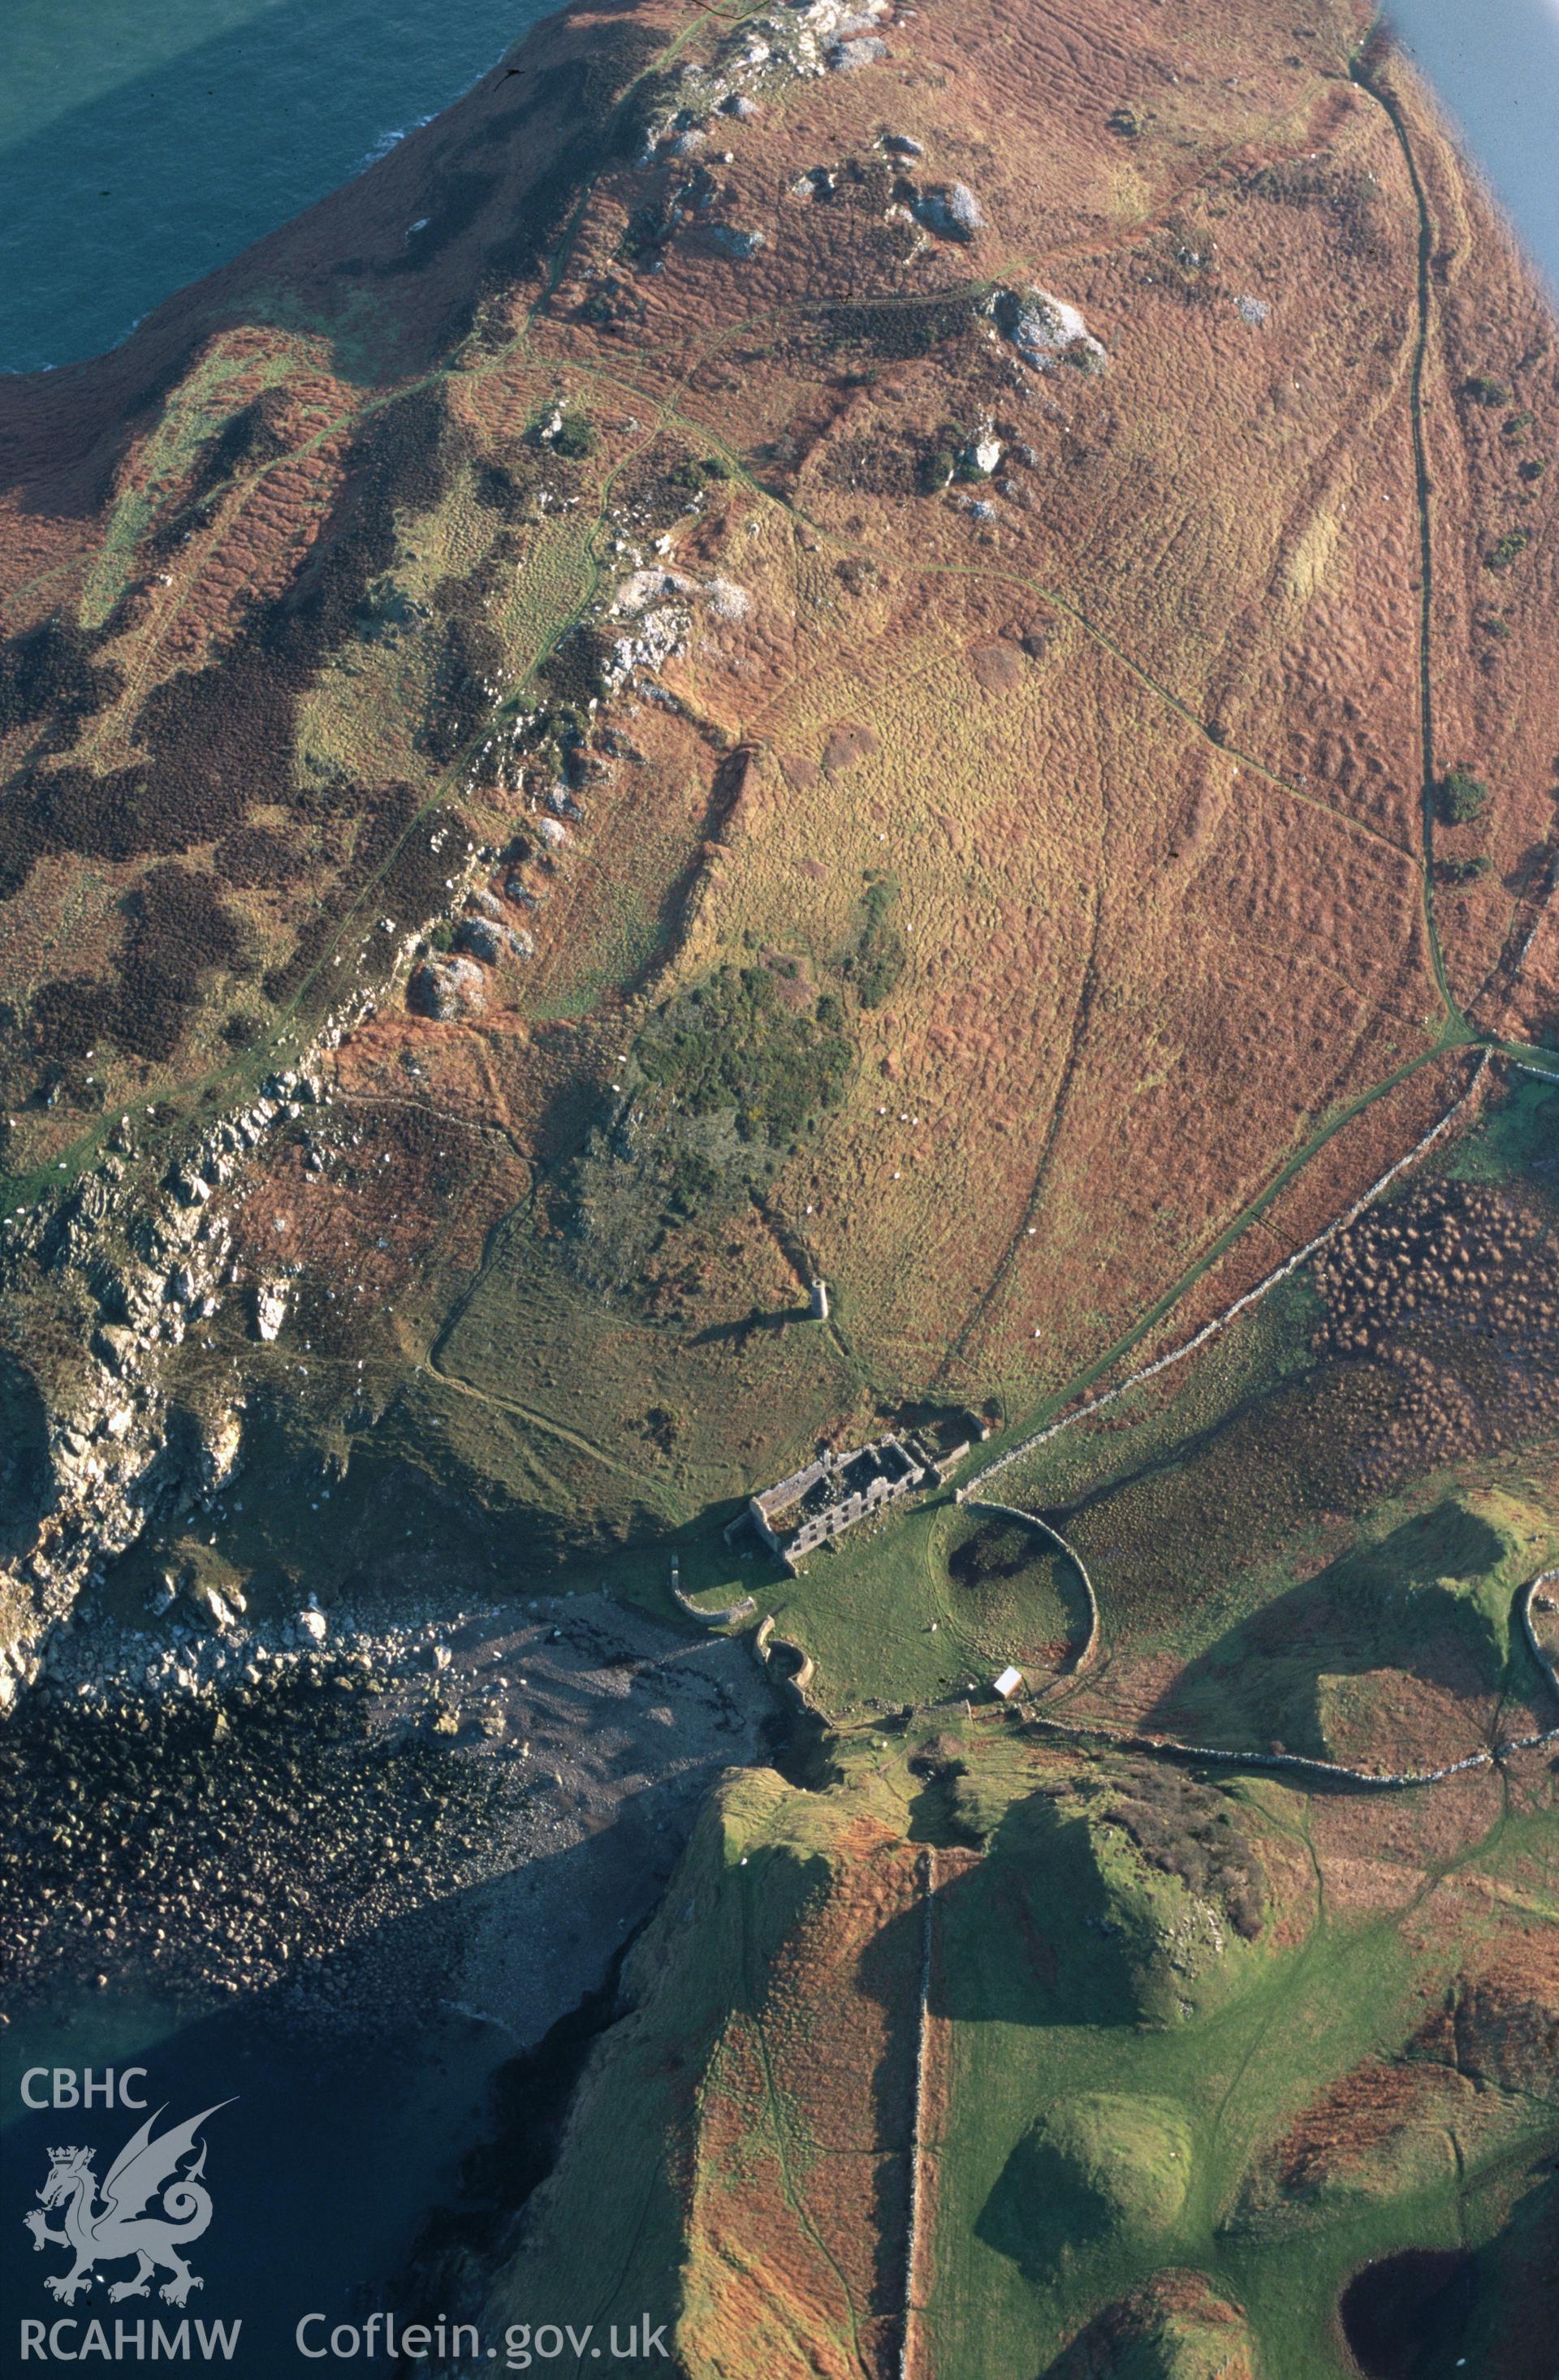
107,2230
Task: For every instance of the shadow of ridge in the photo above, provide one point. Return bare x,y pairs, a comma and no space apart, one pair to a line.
1024,1935
288,2105
364,2063
740,1331
1514,2321
24,1454
1386,1606
988,1561
453,2259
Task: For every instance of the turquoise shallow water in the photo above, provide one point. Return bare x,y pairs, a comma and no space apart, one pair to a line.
141,146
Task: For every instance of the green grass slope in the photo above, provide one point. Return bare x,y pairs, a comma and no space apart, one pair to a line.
1182,2076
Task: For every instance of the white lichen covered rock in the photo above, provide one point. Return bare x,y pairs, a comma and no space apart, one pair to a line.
951,209
214,1610
864,50
1047,331
757,59
732,242
270,1311
486,938
726,600
446,988
659,636
221,1438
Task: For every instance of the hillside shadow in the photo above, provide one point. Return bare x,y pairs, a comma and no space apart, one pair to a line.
1368,1610
1023,1934
24,1455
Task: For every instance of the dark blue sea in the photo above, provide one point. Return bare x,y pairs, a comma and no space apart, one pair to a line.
320,2166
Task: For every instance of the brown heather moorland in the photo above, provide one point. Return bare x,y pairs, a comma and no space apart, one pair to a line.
913,648
1132,723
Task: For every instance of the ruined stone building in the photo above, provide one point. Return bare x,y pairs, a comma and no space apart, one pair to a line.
835,1492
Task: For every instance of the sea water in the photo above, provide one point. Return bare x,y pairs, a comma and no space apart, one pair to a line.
1495,64
142,146
320,2161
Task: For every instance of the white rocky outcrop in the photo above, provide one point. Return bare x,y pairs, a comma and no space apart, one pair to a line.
951,209
1047,331
446,988
270,1310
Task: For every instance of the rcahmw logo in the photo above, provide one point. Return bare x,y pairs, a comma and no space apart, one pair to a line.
150,2207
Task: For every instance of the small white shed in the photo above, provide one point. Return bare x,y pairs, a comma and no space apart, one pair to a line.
1009,1684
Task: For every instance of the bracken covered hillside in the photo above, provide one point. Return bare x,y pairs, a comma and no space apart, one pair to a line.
871,666
943,563
908,647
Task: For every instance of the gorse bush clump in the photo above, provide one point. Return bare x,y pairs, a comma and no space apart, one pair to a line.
177,930
1463,796
215,742
878,960
998,1551
731,1045
1190,1832
48,673
706,472
1508,548
469,668
573,438
250,439
219,739
724,1080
